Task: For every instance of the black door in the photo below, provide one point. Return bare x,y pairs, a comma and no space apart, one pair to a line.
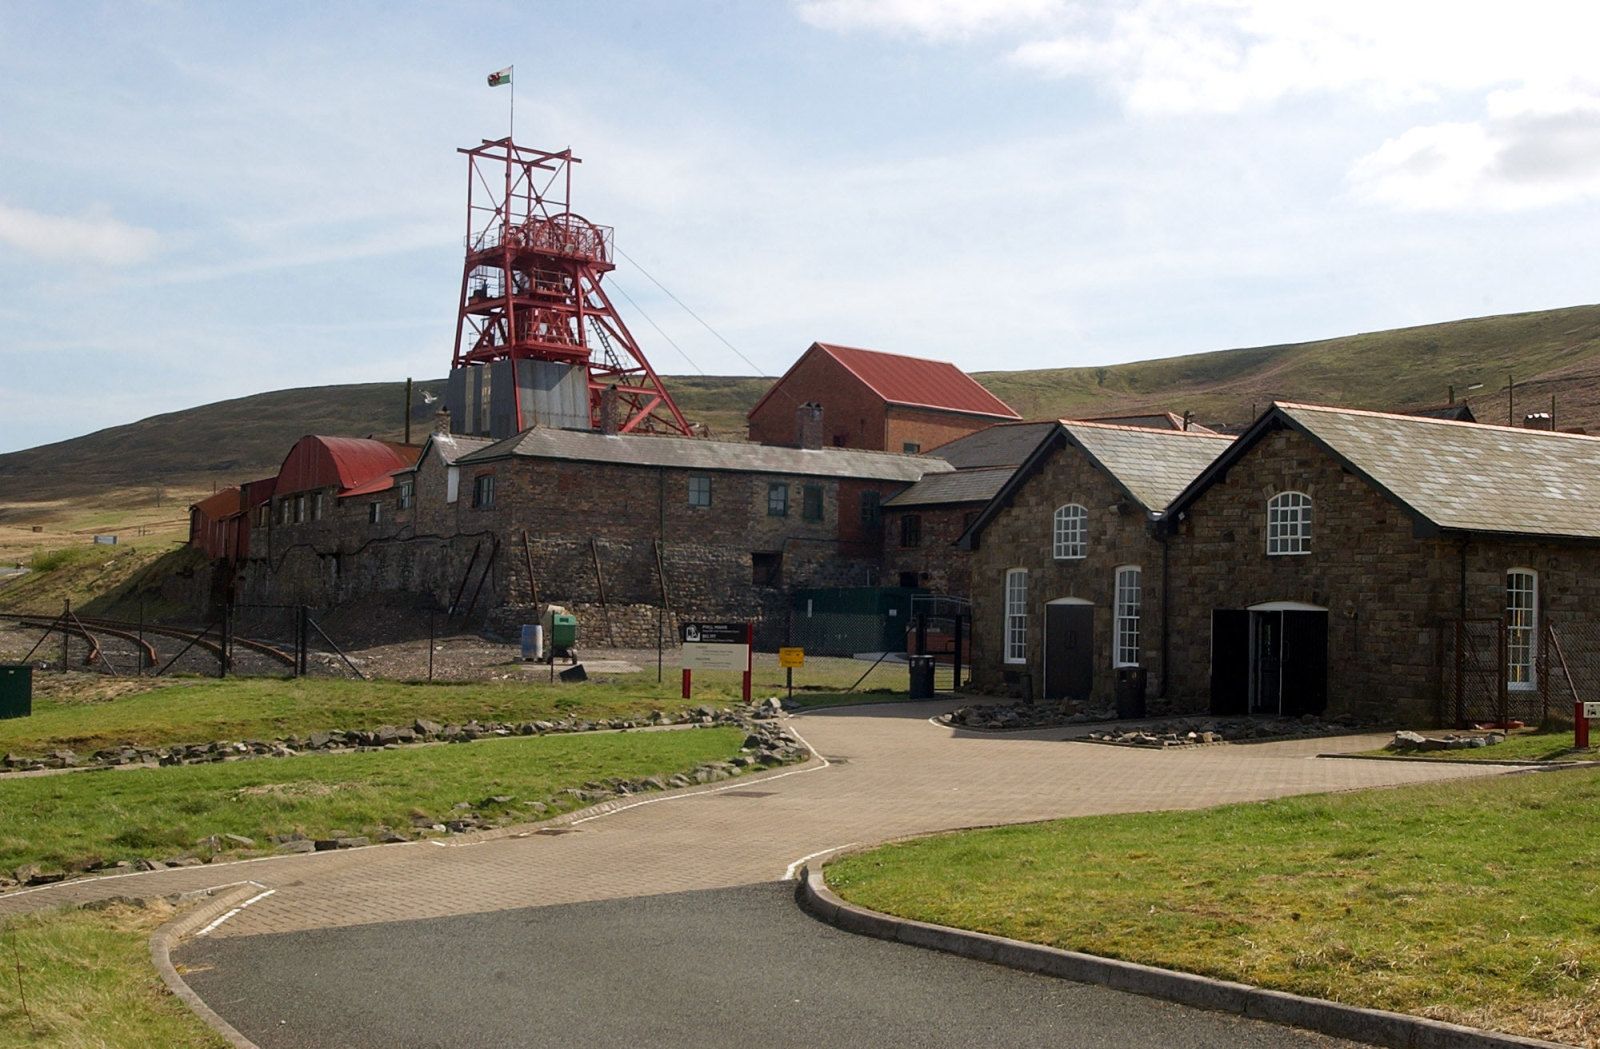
1266,663
1230,661
1069,655
1305,662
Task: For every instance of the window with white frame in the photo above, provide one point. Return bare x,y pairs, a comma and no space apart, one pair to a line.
1289,523
1126,650
374,513
408,494
483,492
1016,603
1069,532
316,506
1522,626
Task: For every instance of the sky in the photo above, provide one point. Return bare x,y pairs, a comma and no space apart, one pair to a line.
203,201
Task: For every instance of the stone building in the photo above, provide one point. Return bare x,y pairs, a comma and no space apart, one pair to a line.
1067,571
1392,568
924,523
874,401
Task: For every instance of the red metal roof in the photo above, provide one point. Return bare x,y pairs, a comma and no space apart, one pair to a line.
225,503
912,381
345,463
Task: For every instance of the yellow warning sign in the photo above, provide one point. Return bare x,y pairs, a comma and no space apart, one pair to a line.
791,657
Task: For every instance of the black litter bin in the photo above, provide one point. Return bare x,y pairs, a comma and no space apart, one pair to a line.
921,677
16,690
1130,692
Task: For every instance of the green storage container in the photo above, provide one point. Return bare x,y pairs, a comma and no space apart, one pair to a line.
563,631
16,690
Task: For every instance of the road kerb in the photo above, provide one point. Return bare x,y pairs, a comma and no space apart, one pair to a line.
1372,1026
168,936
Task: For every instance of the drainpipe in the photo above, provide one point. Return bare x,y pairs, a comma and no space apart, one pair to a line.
1166,593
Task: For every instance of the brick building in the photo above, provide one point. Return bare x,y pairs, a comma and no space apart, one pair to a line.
874,401
1323,562
1066,567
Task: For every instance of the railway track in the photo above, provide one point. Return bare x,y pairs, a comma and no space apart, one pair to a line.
89,628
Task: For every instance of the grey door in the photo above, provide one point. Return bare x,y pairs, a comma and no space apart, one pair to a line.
1069,653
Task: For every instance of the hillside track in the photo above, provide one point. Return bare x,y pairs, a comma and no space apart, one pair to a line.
196,651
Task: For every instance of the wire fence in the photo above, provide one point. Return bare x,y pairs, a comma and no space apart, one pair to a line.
1493,672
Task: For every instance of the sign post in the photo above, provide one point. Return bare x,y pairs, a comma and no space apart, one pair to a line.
716,646
1581,713
788,659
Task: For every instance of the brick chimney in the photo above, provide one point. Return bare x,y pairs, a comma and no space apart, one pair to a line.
441,422
808,425
608,410
1538,421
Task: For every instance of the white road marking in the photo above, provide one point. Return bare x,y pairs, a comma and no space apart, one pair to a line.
258,896
793,868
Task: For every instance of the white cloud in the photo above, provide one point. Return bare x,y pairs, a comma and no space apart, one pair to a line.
1533,148
1195,56
929,19
95,237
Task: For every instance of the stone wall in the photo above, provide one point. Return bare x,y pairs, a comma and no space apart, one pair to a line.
1021,536
936,562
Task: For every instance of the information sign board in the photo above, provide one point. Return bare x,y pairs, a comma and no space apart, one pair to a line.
716,646
796,657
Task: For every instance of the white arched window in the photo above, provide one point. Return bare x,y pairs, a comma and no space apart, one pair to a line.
1289,523
1125,651
1069,532
1016,606
1522,626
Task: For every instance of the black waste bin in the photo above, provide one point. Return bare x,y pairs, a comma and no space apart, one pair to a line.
1130,692
16,690
921,677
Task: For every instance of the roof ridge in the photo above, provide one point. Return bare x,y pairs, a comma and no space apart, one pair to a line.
1145,429
1430,420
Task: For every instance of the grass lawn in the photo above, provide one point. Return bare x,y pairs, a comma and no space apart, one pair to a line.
1473,902
198,711
1523,745
64,820
89,983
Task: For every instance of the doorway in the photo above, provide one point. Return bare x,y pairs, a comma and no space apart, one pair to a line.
1270,660
1068,649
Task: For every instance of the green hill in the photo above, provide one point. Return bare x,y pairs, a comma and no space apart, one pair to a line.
1553,352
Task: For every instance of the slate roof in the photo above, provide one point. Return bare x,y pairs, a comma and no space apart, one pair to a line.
959,486
1150,420
1151,466
1457,476
1003,444
911,381
1154,466
691,454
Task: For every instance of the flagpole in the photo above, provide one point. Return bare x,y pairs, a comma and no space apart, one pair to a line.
512,131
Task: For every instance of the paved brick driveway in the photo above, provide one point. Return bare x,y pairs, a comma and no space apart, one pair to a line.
890,773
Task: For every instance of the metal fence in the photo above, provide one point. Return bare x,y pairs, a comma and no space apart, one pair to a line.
1490,676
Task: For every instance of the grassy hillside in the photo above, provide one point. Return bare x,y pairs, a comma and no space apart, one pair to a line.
1553,351
1550,352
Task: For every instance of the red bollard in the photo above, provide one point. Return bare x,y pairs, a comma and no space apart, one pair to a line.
1580,728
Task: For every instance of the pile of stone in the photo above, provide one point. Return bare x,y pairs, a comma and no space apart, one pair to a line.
1412,742
382,738
1000,717
767,746
1194,732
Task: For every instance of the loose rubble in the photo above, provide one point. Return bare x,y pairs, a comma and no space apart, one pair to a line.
385,737
1412,742
1193,732
1010,716
768,745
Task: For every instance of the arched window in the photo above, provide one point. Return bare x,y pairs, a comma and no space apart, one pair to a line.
1125,652
1016,606
1289,523
1069,532
1522,626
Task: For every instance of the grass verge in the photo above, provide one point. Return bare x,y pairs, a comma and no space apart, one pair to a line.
89,983
1552,745
1473,902
263,708
71,821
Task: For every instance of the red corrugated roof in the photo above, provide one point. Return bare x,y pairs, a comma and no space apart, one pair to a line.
342,462
912,381
225,503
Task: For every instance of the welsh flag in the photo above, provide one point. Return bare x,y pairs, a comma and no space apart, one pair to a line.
501,78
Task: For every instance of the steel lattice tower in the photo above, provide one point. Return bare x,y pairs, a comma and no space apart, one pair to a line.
531,292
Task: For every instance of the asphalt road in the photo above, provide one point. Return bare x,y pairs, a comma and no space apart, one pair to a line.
724,967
